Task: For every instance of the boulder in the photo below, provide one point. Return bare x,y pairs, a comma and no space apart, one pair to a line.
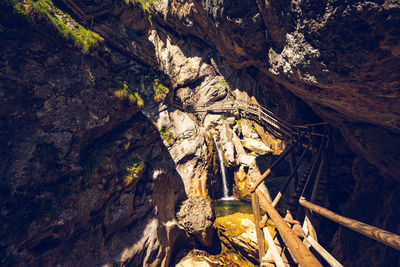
256,146
196,216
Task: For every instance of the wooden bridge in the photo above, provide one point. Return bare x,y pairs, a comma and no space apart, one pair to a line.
293,243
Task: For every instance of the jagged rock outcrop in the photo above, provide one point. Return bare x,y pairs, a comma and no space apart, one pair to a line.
196,216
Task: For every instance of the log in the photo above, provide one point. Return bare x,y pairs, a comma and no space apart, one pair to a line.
259,233
385,237
298,250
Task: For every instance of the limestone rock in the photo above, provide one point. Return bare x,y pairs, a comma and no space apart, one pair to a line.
211,121
256,146
226,143
196,216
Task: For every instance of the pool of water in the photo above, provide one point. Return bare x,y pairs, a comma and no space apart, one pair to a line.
227,207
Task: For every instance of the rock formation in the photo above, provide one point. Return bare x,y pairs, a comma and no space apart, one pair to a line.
85,177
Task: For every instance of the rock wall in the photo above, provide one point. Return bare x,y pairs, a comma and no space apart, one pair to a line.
85,177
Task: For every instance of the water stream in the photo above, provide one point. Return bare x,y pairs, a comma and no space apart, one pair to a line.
223,174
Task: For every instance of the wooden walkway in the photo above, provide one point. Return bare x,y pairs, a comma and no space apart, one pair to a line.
291,246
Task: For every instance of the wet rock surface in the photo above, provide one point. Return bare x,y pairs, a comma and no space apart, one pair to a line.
237,233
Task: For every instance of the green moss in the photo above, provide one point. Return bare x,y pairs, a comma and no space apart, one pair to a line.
147,5
124,92
239,121
68,27
160,91
223,117
166,136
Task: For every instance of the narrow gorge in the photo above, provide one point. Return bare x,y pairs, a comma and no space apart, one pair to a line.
119,120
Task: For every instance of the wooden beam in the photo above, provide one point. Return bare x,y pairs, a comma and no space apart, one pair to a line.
385,237
259,233
325,254
272,247
298,250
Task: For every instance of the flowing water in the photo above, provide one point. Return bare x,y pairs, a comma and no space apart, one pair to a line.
222,166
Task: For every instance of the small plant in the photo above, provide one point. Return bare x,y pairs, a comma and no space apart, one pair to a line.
134,170
166,135
240,121
223,85
160,91
223,117
124,92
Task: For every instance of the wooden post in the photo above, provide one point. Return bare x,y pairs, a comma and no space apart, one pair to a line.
260,236
385,237
298,250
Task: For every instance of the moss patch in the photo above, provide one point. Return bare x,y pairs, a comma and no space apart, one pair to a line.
68,27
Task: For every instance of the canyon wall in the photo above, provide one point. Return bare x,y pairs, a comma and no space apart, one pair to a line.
86,175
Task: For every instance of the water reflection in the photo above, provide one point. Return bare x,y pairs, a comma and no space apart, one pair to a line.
223,208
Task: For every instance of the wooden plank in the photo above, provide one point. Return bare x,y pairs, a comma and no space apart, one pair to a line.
385,237
298,250
325,254
272,247
260,236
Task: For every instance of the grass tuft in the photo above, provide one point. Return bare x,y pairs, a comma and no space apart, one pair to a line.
134,171
63,22
160,91
125,93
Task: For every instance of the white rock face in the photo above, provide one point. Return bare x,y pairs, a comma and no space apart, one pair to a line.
248,131
211,121
226,143
183,124
256,146
247,160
